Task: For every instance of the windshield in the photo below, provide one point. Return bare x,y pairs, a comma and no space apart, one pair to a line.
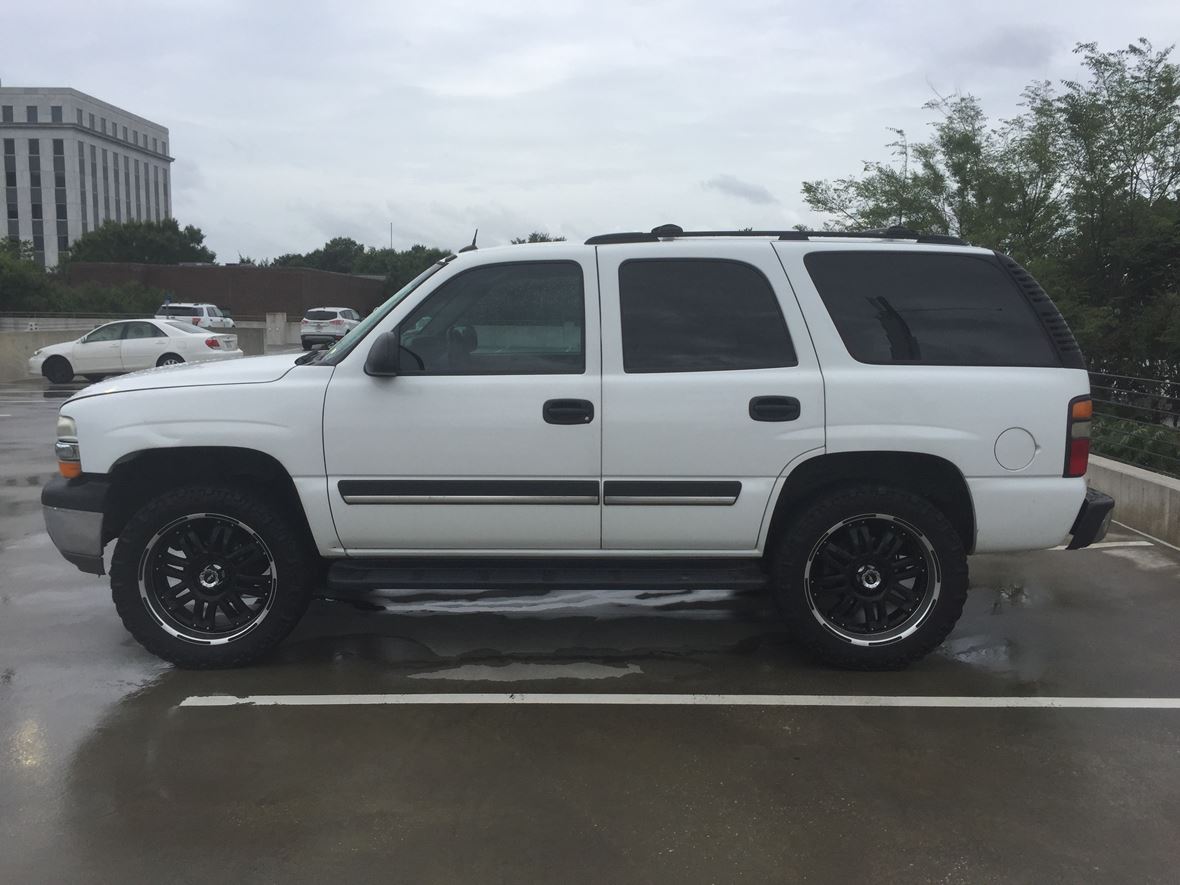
342,347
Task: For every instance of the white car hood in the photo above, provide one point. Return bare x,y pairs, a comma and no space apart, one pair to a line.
249,370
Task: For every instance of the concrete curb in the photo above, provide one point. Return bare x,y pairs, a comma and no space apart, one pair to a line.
1146,501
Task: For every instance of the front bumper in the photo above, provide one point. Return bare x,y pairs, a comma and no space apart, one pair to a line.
1092,521
73,510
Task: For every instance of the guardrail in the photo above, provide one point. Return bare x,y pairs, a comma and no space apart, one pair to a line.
1137,421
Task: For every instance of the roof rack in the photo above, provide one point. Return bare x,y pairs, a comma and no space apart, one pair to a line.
674,231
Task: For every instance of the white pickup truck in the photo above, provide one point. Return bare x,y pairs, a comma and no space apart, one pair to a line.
839,418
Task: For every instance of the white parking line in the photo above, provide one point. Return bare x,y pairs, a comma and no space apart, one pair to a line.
1101,544
1153,538
682,700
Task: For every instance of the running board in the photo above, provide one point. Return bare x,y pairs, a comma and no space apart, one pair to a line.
358,576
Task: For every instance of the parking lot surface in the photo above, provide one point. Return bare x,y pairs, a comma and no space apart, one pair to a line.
111,770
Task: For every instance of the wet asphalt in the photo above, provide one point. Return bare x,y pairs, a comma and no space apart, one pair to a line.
104,777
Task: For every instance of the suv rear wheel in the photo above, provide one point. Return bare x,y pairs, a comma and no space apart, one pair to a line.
209,577
870,578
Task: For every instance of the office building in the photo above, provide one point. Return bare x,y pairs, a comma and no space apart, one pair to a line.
72,163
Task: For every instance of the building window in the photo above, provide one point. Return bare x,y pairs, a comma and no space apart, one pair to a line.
10,188
138,196
55,113
6,113
118,202
91,121
156,190
153,144
102,123
164,147
124,133
79,112
135,136
127,184
31,114
82,184
94,184
106,188
167,198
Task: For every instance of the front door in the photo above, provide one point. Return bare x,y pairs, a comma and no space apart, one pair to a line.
710,390
99,352
490,437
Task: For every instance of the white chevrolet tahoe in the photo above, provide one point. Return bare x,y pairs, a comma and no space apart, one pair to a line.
841,418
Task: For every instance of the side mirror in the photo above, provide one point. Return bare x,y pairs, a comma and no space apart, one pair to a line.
384,359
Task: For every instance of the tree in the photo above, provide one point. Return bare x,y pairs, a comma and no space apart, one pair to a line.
537,237
143,242
1082,187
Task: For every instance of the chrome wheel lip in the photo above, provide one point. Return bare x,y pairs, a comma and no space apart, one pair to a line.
180,632
915,621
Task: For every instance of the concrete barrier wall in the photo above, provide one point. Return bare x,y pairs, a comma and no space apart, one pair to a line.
1149,502
17,347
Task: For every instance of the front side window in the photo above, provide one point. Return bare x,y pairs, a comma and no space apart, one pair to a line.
928,308
109,332
500,319
700,315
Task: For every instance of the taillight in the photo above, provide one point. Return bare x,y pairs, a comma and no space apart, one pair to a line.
336,323
304,321
196,321
1077,436
212,342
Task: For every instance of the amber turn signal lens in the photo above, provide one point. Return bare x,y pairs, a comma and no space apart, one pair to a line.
69,469
1082,409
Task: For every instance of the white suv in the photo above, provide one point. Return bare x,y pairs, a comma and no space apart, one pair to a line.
207,316
839,418
326,325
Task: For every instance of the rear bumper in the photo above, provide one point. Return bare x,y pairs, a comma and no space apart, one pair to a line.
1092,521
73,510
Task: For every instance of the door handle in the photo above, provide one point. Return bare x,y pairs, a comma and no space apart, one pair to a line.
774,408
568,411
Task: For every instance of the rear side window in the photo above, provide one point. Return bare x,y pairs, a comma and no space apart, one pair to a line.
929,308
320,315
700,315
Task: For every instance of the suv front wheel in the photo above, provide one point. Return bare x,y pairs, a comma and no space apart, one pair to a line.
869,577
209,577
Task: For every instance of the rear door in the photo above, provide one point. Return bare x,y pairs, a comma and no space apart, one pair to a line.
143,344
710,390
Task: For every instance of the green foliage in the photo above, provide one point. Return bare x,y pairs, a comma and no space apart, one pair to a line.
537,237
143,242
1082,187
1152,447
26,287
344,255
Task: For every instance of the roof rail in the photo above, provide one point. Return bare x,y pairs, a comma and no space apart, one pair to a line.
673,231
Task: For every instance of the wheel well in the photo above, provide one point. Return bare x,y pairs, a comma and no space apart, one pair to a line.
932,477
141,476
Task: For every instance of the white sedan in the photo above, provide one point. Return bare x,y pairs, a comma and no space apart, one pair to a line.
129,345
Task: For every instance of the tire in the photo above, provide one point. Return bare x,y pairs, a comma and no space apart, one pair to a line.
869,578
246,570
94,379
303,343
170,359
58,370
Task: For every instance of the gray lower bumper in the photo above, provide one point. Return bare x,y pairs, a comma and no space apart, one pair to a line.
77,534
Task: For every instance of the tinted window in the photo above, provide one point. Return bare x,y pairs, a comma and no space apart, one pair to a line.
929,308
111,332
502,319
171,310
320,315
142,330
693,315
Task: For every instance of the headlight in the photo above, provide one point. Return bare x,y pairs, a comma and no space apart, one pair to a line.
69,456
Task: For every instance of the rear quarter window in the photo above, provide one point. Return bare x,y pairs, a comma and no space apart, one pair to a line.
929,308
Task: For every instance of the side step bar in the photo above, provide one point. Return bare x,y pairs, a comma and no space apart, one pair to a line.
347,577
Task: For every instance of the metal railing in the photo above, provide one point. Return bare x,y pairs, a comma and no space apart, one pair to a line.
1137,420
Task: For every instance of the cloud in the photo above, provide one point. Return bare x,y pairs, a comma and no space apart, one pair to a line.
743,190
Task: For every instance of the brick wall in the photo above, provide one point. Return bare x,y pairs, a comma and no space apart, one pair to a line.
245,291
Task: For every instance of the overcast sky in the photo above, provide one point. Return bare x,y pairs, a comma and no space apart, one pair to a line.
293,122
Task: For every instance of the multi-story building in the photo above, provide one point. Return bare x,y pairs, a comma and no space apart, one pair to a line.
72,163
